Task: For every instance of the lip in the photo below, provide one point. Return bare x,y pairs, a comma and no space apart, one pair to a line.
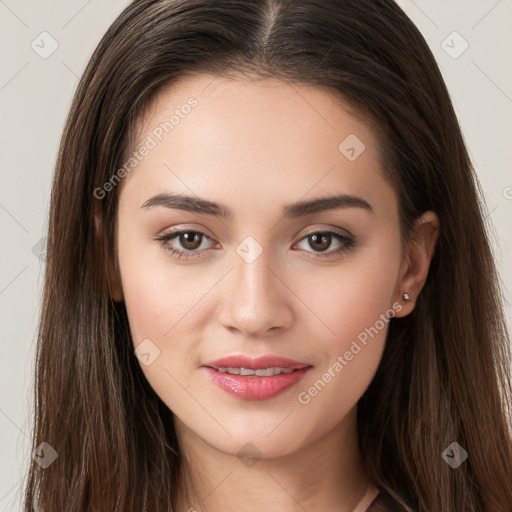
258,363
251,387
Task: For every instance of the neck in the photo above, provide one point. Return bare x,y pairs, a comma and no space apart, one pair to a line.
326,474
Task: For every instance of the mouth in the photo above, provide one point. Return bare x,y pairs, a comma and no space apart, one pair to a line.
266,372
255,379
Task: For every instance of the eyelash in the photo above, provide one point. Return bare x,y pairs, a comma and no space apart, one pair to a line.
347,243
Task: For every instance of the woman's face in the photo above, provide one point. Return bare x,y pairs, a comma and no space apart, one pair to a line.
280,275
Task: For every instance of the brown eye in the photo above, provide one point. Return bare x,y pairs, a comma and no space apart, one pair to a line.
320,241
189,240
184,244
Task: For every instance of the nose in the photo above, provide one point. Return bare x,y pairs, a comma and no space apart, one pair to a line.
255,299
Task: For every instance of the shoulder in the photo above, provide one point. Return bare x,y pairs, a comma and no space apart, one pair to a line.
384,502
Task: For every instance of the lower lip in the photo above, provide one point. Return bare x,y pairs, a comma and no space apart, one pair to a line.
250,387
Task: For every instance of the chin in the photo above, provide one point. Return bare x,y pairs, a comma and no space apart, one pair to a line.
257,443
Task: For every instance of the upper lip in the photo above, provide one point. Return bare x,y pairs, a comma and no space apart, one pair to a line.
257,363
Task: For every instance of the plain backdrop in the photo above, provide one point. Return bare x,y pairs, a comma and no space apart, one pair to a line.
45,46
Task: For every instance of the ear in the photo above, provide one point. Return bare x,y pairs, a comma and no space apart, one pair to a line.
111,267
415,266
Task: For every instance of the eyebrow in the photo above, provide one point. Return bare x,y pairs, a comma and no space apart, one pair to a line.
295,210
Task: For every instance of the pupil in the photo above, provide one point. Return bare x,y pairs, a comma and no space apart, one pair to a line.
323,238
189,239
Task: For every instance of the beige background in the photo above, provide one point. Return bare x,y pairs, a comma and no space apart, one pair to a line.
35,95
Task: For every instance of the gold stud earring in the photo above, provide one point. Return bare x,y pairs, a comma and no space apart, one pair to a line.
406,298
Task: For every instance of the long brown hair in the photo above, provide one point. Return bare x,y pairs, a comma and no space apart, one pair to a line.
444,376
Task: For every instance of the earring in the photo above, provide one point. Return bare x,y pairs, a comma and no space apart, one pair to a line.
406,298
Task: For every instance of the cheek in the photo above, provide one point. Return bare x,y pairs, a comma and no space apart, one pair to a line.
157,293
148,294
354,300
350,361
147,299
351,297
160,308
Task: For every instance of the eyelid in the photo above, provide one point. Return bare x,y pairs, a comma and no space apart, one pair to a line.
342,232
185,229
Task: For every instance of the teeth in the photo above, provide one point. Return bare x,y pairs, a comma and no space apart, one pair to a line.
268,372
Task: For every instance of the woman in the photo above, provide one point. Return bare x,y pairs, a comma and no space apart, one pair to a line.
268,283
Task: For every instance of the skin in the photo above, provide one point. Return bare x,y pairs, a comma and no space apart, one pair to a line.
255,146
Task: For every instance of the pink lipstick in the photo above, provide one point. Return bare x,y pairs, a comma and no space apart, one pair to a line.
255,379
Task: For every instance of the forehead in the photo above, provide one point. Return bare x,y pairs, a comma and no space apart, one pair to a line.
211,134
262,108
